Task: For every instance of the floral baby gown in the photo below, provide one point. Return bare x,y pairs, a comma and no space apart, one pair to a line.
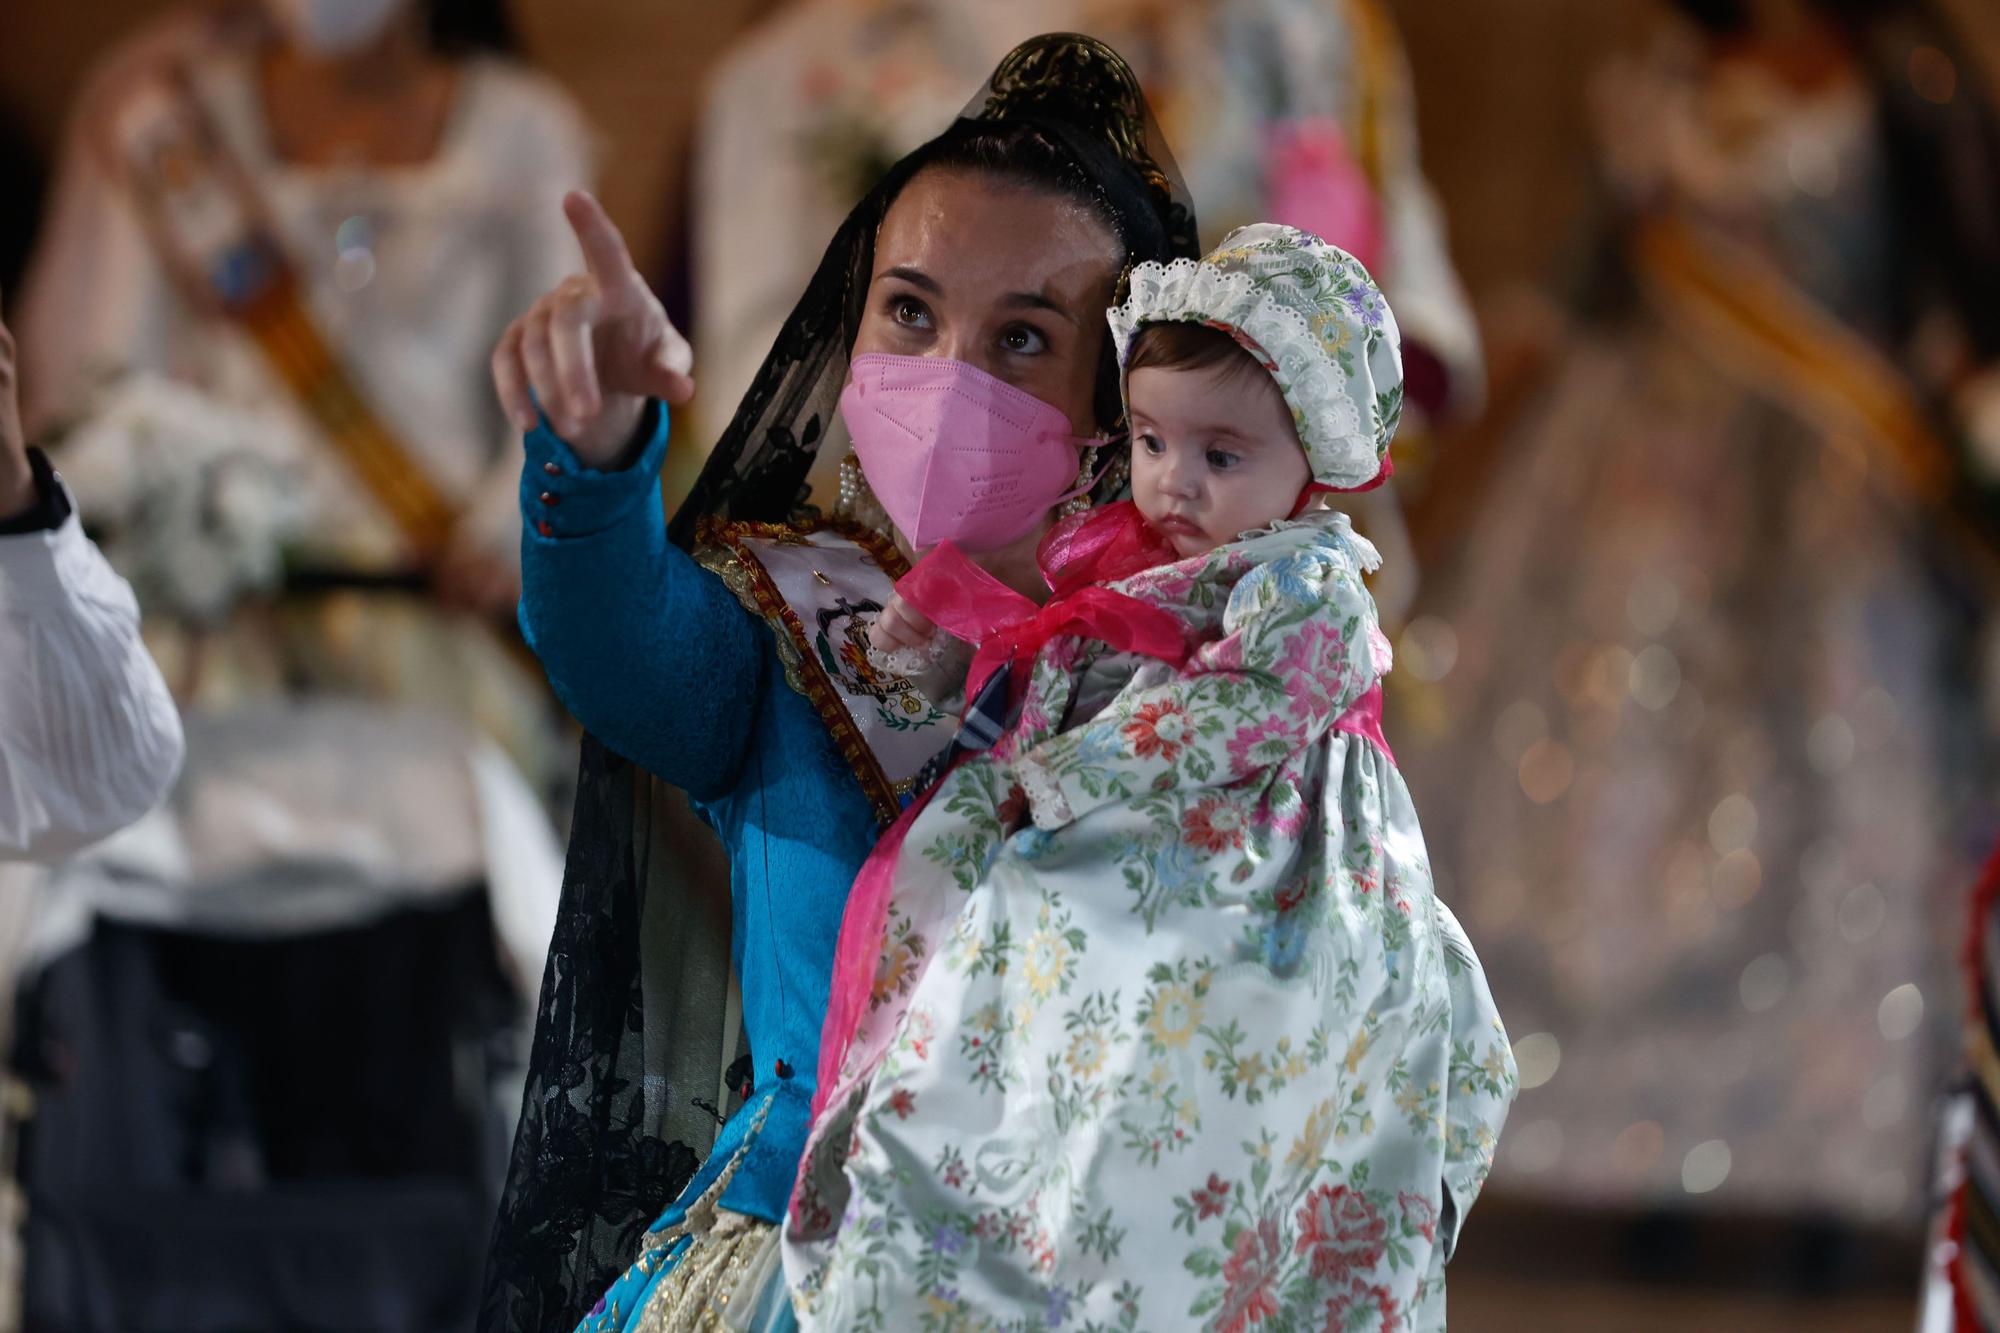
1198,1047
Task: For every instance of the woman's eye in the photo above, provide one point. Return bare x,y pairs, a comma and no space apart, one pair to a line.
1024,340
910,312
1222,460
1151,444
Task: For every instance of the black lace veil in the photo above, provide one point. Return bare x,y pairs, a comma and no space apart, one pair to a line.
635,1052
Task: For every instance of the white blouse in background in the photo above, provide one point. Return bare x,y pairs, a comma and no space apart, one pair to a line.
89,736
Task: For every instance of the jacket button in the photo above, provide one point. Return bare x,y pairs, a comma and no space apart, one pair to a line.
551,498
784,1070
544,528
552,469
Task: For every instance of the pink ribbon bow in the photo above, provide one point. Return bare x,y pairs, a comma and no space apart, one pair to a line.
969,603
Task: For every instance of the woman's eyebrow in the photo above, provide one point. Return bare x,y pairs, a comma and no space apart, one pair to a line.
916,277
1038,301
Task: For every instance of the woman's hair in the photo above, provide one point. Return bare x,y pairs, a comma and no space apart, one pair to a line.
1040,157
1721,18
1021,154
470,27
1189,346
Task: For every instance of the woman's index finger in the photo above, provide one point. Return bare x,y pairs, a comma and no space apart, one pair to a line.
604,252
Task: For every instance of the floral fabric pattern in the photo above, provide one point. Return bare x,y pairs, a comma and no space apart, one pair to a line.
1170,1030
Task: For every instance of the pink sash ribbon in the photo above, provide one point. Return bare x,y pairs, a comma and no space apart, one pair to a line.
1364,718
858,948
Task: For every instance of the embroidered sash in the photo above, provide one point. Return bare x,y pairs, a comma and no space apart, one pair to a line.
820,588
1772,333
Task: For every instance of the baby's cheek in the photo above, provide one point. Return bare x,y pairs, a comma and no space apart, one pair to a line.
1257,503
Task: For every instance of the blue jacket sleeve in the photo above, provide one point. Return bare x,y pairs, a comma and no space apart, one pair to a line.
646,648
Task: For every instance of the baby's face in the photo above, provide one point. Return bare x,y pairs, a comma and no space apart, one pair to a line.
1214,454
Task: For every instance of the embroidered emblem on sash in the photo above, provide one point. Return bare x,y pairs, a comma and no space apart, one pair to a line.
820,589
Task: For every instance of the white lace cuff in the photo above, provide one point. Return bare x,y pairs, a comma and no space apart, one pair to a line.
1047,805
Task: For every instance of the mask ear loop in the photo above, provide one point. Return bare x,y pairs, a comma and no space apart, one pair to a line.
1078,499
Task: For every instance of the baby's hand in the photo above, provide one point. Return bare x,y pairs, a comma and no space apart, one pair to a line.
901,626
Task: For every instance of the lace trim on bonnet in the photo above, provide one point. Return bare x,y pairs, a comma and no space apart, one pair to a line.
1316,319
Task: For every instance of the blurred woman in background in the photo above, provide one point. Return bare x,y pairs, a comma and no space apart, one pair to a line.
1705,761
282,244
284,239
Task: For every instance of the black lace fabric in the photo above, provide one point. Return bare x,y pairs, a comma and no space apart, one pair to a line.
627,1079
634,1040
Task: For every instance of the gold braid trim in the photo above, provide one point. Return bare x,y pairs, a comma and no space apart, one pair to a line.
691,1295
714,1272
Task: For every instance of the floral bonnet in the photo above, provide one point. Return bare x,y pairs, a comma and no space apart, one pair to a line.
1310,312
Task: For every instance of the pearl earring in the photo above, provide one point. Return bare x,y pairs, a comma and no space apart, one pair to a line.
857,502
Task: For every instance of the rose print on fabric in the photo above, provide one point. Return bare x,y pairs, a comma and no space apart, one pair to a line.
1261,744
1214,825
1363,1308
1340,1233
1252,1274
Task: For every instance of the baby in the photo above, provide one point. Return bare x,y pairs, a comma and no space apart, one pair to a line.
1197,1046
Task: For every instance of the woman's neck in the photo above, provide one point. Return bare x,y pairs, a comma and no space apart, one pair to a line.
391,63
382,104
1015,565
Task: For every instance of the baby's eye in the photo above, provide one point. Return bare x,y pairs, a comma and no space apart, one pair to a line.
910,312
1151,444
1024,340
1222,460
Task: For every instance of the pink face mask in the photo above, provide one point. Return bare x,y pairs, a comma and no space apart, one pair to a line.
954,454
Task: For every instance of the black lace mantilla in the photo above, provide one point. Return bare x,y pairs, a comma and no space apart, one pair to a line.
608,1135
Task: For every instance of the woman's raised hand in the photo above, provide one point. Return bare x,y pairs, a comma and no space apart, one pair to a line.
594,349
